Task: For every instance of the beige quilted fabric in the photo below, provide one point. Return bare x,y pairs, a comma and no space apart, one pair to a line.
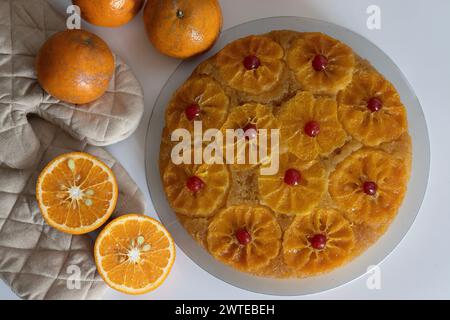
24,27
37,261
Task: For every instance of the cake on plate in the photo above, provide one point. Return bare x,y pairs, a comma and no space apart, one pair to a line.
344,154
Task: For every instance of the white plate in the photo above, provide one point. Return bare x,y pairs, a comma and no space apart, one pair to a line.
375,254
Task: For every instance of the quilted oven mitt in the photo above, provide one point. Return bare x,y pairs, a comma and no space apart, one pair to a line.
24,27
37,261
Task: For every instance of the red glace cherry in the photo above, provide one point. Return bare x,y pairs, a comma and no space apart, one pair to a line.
243,237
318,241
192,111
251,62
370,188
374,104
319,62
312,128
250,131
292,177
195,184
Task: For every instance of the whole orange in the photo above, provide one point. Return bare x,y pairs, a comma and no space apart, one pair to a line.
182,28
75,66
109,13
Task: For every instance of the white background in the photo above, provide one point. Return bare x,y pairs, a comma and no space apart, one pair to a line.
415,34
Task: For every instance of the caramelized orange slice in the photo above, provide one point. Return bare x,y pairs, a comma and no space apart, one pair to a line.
320,63
309,126
318,242
370,109
369,186
244,237
196,190
134,254
76,193
297,188
252,64
250,118
199,99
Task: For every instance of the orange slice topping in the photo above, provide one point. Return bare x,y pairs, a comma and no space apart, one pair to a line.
320,63
201,99
369,186
297,188
252,64
310,126
370,109
196,190
318,242
245,237
251,118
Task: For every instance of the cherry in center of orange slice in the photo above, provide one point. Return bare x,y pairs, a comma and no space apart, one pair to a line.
192,111
250,131
318,241
292,177
320,62
251,62
312,129
243,237
370,188
195,184
374,104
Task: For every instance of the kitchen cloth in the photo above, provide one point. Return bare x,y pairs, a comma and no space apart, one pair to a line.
24,27
37,261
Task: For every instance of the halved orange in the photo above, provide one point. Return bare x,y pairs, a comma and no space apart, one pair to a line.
134,254
76,193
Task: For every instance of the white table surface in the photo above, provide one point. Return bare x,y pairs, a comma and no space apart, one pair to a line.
415,34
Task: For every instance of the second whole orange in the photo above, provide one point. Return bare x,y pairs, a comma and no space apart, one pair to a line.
182,28
109,13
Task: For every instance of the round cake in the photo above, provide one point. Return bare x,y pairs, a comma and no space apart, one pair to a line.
343,154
